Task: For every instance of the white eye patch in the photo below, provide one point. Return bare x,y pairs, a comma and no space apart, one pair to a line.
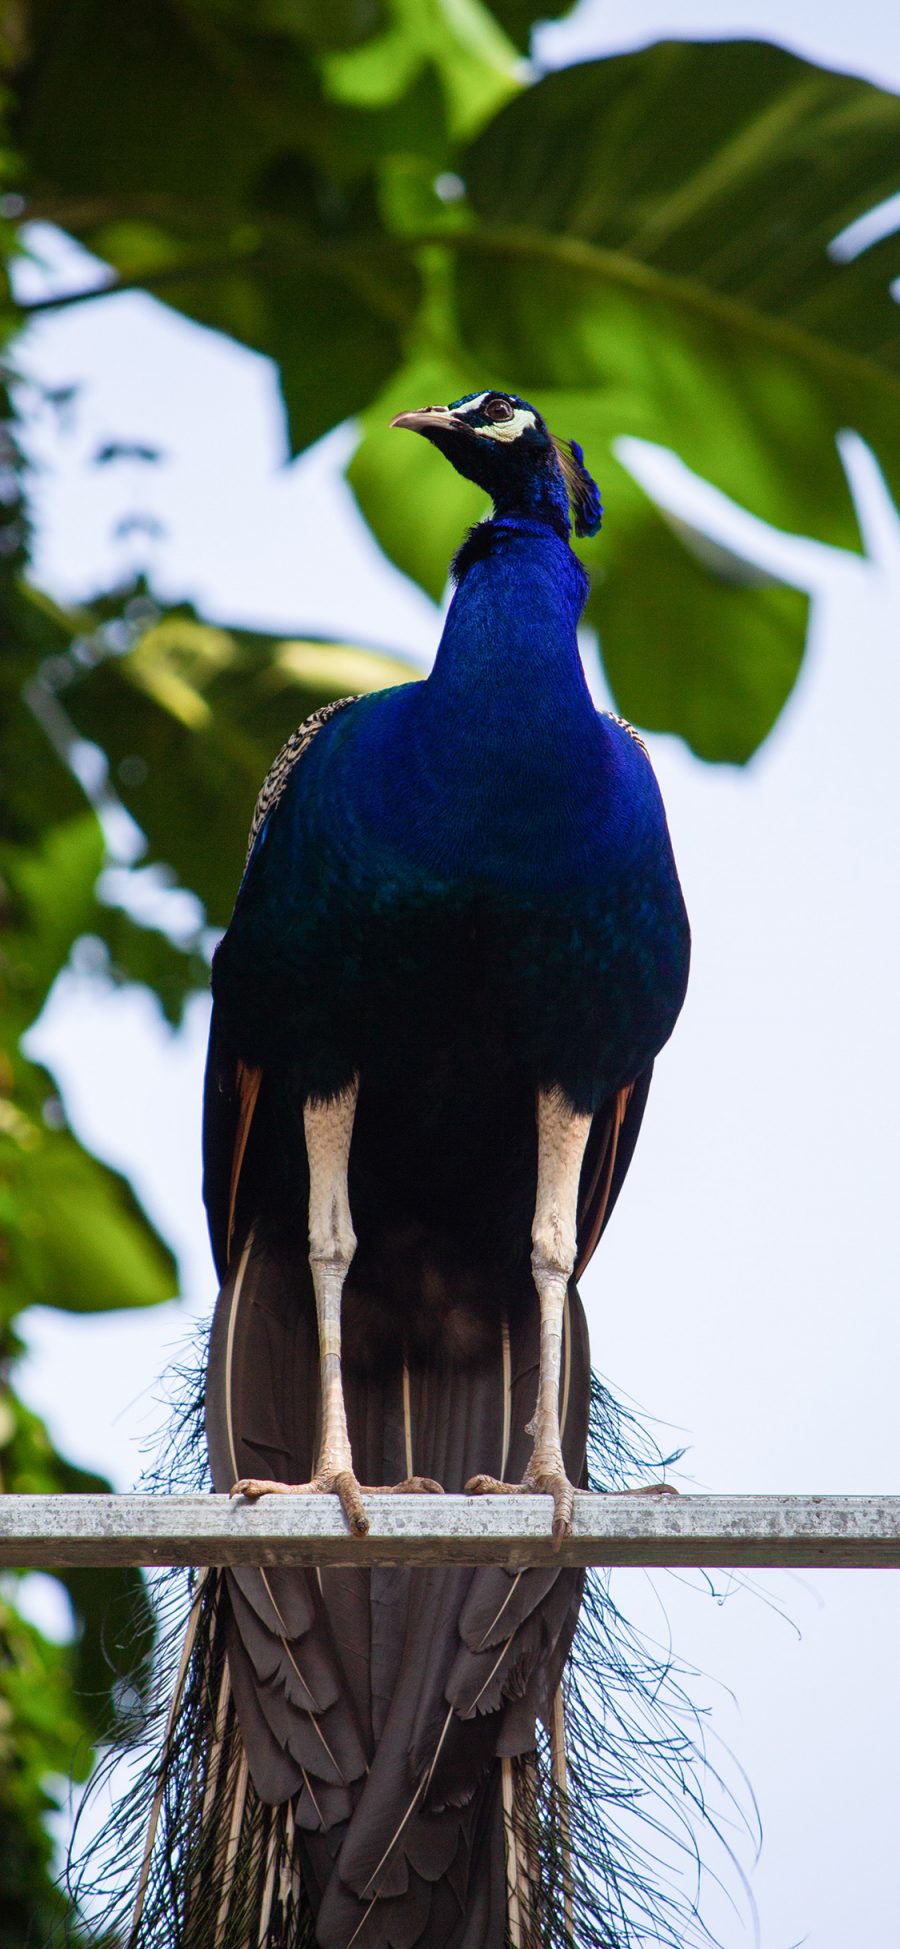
510,429
521,419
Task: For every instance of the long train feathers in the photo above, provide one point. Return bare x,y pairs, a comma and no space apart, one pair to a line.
618,1849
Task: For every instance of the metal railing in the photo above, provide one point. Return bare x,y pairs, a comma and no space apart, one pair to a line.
735,1532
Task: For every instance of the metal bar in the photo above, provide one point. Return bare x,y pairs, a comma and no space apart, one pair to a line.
47,1532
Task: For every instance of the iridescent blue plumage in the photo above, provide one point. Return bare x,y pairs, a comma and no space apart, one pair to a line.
491,806
457,948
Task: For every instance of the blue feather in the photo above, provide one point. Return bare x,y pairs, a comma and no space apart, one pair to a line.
492,802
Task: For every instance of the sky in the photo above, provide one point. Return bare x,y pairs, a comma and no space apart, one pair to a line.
746,1292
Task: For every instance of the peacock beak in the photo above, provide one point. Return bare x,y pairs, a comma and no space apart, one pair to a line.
432,419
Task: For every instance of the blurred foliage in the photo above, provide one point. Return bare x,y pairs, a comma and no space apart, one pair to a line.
642,244
41,1732
203,711
385,198
71,1235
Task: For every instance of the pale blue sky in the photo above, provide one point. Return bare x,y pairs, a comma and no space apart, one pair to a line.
747,1288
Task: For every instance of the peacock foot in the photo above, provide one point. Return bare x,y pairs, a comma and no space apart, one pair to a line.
343,1484
339,1482
538,1480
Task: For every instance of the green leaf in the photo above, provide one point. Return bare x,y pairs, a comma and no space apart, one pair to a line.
38,790
394,471
102,103
335,335
710,652
676,258
331,318
325,23
49,901
461,39
518,17
40,1730
78,1238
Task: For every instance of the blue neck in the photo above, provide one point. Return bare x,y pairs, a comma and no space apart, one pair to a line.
535,494
509,642
480,771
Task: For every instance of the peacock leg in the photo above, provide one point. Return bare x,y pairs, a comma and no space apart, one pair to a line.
562,1136
328,1128
332,1242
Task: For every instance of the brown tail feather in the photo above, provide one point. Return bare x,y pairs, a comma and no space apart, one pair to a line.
388,1714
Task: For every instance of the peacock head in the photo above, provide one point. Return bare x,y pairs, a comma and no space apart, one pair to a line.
502,444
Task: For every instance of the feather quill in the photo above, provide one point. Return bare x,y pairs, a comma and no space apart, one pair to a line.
248,1082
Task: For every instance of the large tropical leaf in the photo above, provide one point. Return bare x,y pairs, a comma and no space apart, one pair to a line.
676,259
650,257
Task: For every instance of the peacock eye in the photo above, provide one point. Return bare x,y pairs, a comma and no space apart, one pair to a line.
497,408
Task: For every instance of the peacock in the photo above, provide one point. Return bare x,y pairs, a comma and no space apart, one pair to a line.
457,948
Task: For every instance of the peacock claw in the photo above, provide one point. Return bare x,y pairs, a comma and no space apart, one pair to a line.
339,1482
343,1484
536,1482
